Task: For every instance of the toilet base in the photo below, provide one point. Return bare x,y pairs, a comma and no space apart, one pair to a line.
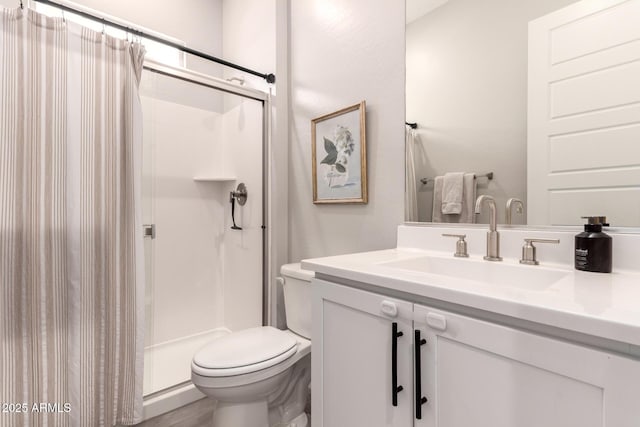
246,414
274,396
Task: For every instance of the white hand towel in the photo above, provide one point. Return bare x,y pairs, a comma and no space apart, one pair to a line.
436,212
468,214
452,193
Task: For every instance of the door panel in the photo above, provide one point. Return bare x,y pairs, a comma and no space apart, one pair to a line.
352,359
583,114
476,384
479,373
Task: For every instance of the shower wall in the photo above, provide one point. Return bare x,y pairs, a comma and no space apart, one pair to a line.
242,136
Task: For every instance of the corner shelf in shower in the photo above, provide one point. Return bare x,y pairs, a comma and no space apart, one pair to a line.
205,178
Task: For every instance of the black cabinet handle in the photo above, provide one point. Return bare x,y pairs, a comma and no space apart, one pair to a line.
420,399
395,388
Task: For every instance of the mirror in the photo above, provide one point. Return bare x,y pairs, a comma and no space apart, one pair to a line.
476,88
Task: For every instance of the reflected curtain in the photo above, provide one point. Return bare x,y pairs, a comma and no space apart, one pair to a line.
410,190
71,261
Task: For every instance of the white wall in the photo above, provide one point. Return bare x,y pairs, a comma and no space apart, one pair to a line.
198,23
342,52
249,37
467,90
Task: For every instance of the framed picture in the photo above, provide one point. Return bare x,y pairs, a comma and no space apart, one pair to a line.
339,156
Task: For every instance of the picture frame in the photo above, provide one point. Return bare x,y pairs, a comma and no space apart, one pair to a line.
339,156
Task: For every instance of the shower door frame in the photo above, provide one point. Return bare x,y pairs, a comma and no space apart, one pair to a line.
265,99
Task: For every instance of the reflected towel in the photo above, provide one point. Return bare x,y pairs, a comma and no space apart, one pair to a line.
437,215
469,186
467,214
452,193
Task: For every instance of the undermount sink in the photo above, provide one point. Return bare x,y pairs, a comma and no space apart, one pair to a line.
533,278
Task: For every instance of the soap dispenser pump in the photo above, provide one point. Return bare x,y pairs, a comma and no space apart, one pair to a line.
593,251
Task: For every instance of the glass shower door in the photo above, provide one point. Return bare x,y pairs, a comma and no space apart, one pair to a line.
203,279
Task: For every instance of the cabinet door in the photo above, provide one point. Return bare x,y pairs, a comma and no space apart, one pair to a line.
352,358
477,373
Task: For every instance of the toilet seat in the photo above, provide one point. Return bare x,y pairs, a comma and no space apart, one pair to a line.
244,352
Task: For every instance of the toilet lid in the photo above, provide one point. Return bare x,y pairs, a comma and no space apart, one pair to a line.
246,351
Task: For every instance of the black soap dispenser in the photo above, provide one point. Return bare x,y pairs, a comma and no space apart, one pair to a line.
593,247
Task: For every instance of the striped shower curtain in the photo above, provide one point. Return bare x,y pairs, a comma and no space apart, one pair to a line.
71,261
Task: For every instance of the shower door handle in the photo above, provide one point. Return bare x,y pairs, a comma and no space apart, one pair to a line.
240,195
149,230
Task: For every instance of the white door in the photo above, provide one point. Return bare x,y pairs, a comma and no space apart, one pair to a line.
353,358
476,373
583,153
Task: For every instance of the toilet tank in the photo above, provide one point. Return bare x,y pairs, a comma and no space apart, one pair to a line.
297,298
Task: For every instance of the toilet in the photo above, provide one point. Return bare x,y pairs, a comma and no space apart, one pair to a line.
260,376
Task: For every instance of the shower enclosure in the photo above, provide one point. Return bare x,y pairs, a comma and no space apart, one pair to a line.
202,137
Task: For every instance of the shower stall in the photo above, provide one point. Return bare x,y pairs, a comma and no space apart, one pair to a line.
203,137
204,201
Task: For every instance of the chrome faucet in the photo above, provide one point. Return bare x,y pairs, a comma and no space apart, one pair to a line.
493,237
519,208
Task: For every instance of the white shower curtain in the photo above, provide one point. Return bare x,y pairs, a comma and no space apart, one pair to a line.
71,261
410,190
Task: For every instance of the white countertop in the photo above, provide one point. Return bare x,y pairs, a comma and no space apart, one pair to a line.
597,304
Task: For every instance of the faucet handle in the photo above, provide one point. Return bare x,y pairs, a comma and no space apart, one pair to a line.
529,251
461,245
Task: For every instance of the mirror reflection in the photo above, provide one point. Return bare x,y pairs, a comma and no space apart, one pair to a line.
533,103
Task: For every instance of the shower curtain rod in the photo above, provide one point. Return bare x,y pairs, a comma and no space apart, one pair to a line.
270,78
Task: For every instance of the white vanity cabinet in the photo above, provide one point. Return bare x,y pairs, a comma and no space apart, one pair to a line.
353,358
481,373
472,372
